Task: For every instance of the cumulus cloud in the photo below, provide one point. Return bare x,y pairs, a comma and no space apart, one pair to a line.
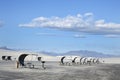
79,23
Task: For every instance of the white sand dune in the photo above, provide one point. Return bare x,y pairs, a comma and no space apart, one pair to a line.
33,55
14,54
114,60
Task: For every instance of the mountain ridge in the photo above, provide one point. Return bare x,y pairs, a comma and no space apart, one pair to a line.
84,53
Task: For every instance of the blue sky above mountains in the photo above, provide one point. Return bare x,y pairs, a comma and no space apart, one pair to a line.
61,26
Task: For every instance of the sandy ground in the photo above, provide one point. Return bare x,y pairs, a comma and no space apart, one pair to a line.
54,71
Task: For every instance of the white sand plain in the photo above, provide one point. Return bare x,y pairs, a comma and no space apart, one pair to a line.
109,70
54,71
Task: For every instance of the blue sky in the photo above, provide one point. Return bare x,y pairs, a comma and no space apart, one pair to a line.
61,25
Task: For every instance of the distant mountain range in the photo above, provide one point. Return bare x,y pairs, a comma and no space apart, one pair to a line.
5,48
84,53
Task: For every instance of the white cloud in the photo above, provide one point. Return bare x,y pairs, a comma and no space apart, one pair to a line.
47,34
60,35
112,36
79,36
79,23
88,14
